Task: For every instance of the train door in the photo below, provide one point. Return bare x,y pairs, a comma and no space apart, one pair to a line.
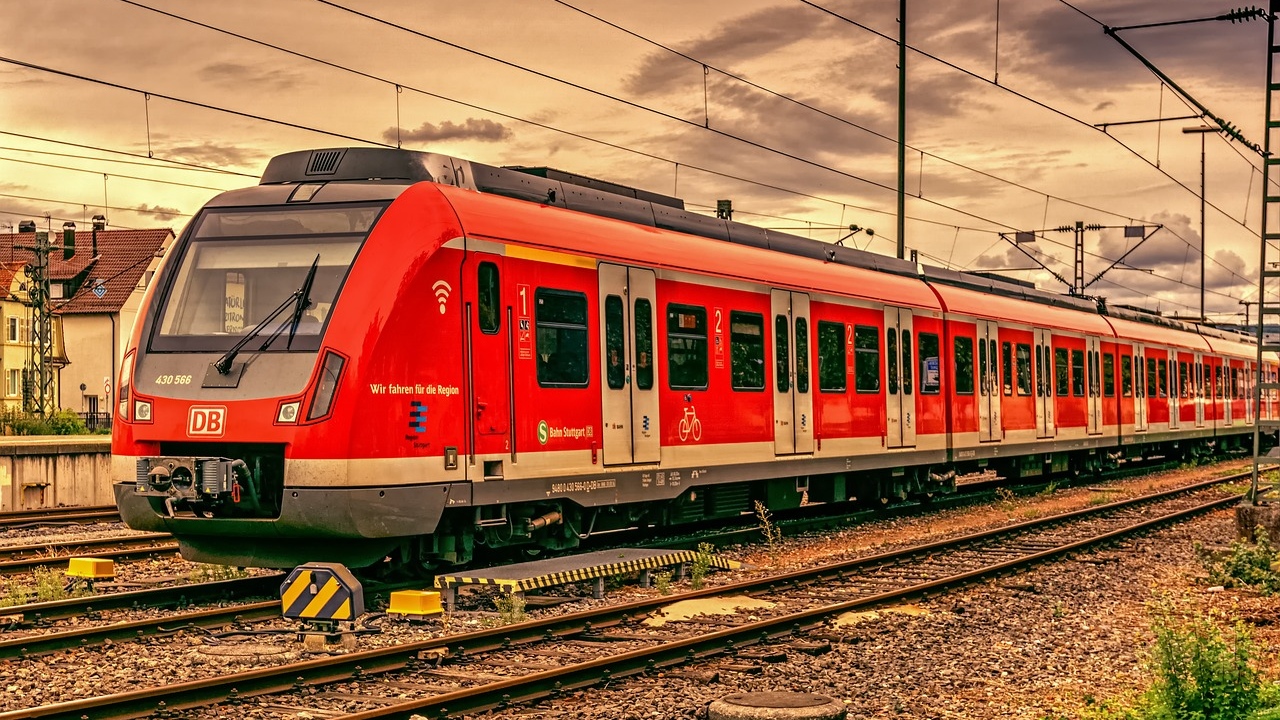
1045,426
1247,380
1224,390
1093,385
1198,388
900,390
490,346
990,428
1174,400
629,391
1139,388
792,398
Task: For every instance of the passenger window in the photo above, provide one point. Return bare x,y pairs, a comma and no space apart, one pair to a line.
746,350
1163,371
891,361
802,355
1183,381
1077,373
1217,381
1062,372
930,365
686,347
614,343
964,365
561,319
1153,389
866,358
1006,366
1109,375
782,354
906,363
490,306
983,375
831,357
1024,368
1126,376
644,344
1040,376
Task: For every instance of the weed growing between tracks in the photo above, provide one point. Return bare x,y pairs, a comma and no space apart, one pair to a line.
772,533
41,585
510,608
205,572
700,565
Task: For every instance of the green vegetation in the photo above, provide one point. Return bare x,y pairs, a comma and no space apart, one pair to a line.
42,585
772,533
510,608
205,572
1200,672
63,422
1245,564
1049,489
701,564
662,581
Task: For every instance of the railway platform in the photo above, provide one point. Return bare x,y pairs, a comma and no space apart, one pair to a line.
595,566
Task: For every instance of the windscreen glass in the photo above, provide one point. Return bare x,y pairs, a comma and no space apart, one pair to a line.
241,266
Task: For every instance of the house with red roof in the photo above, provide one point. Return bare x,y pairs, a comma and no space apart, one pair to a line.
97,279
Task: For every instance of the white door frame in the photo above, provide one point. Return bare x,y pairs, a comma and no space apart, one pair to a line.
1046,426
629,411
792,376
900,381
1139,388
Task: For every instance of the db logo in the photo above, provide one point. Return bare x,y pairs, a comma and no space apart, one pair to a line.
207,420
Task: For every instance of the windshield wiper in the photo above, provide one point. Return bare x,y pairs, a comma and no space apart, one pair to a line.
300,298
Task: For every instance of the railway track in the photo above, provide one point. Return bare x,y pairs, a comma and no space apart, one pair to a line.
59,516
24,558
546,657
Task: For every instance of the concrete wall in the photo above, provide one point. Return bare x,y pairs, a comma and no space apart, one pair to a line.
39,472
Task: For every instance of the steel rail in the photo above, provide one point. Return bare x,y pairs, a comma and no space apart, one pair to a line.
126,547
85,514
233,687
169,596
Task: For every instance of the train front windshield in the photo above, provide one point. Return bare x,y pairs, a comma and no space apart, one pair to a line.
241,265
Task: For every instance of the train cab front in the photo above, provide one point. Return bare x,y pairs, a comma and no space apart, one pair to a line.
227,391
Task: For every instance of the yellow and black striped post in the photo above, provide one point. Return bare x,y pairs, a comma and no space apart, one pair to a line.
321,592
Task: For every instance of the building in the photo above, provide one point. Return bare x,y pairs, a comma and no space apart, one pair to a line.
97,279
15,343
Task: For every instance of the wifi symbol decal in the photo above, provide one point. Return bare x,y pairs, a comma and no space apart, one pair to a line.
442,293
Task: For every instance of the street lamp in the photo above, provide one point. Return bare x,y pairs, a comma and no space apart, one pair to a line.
1201,130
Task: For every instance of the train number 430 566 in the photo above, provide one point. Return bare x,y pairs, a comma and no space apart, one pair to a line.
173,379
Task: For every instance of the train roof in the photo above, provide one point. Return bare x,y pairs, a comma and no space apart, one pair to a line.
1006,308
1132,330
579,234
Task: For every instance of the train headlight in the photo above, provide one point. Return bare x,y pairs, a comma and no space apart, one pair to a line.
288,412
142,410
330,371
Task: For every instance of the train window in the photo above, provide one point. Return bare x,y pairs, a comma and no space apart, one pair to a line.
490,306
1162,386
866,359
1126,376
1077,373
1139,377
831,357
746,350
995,377
964,365
1062,372
782,353
614,343
930,365
1040,377
983,375
1024,368
1094,374
907,369
686,347
644,344
561,320
1109,374
890,359
1006,366
1217,381
1183,384
802,355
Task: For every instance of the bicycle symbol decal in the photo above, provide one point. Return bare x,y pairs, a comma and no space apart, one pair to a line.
690,425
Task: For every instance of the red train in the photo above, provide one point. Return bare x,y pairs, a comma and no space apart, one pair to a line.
388,354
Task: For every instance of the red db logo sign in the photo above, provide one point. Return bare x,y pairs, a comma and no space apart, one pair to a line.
207,421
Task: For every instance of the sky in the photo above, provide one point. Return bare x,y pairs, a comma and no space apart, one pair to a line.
142,110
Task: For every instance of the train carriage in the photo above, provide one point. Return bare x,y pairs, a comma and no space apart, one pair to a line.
479,357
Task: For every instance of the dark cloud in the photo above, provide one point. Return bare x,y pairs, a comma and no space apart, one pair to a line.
764,32
236,75
157,212
214,154
469,129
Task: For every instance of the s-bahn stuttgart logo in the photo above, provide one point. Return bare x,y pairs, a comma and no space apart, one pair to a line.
207,420
417,416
